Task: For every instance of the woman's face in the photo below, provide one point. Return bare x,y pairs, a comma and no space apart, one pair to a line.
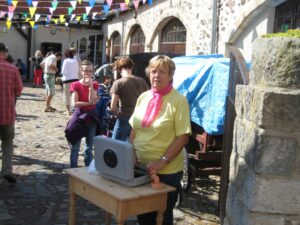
87,71
160,77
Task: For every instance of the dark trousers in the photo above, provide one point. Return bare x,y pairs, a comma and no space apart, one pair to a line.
150,218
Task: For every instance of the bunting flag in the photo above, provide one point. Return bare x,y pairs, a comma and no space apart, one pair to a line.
92,3
79,1
11,9
55,21
25,14
29,2
150,2
105,8
144,1
72,17
66,24
78,18
123,6
27,19
9,2
54,5
14,3
62,18
34,3
36,17
84,16
35,27
32,23
70,10
32,11
51,10
8,24
73,4
126,2
2,14
88,9
109,2
10,16
136,4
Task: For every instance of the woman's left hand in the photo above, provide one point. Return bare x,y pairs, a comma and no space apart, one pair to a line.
154,166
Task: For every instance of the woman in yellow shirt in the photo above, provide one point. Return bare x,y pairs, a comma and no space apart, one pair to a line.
160,129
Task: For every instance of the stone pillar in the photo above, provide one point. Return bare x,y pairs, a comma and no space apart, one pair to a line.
264,187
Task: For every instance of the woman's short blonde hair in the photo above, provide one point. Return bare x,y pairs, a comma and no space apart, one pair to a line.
161,61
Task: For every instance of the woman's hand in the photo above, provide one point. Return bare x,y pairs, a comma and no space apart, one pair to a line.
157,165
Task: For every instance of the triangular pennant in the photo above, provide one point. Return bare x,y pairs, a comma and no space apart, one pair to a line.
8,24
34,3
32,23
105,8
78,18
72,17
11,9
66,24
51,10
25,14
92,3
35,27
29,2
94,14
73,4
150,2
2,13
54,5
10,15
14,3
55,21
84,16
9,2
123,6
79,1
62,18
136,4
70,10
126,2
88,9
32,11
144,1
27,19
36,17
109,2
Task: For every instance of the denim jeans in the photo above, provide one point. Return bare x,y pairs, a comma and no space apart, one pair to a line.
7,134
88,153
150,218
122,129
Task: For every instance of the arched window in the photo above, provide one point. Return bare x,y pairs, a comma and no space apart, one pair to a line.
287,16
116,45
137,41
83,48
173,38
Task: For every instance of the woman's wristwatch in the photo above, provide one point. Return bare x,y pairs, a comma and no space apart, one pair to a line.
165,159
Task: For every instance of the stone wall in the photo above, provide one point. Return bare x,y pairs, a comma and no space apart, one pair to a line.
264,186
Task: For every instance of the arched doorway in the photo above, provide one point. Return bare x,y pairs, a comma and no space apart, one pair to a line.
116,45
137,41
173,38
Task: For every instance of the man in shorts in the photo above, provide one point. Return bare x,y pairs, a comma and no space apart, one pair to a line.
50,69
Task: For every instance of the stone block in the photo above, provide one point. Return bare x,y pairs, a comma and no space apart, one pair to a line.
272,195
275,155
265,219
274,108
276,62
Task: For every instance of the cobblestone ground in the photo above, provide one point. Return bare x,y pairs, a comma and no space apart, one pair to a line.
40,196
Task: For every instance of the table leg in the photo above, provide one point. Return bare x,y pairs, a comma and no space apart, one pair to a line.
107,218
72,209
159,218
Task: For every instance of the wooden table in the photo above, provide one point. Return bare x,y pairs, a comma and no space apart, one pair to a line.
116,199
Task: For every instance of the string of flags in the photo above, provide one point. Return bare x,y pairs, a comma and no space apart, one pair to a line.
29,13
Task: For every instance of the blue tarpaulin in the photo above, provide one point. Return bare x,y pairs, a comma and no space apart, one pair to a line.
204,82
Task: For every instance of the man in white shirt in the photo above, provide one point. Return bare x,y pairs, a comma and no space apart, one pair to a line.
50,69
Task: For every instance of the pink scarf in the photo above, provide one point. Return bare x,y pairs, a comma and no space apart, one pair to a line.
154,105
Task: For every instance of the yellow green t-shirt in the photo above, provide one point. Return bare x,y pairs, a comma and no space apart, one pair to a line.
173,120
